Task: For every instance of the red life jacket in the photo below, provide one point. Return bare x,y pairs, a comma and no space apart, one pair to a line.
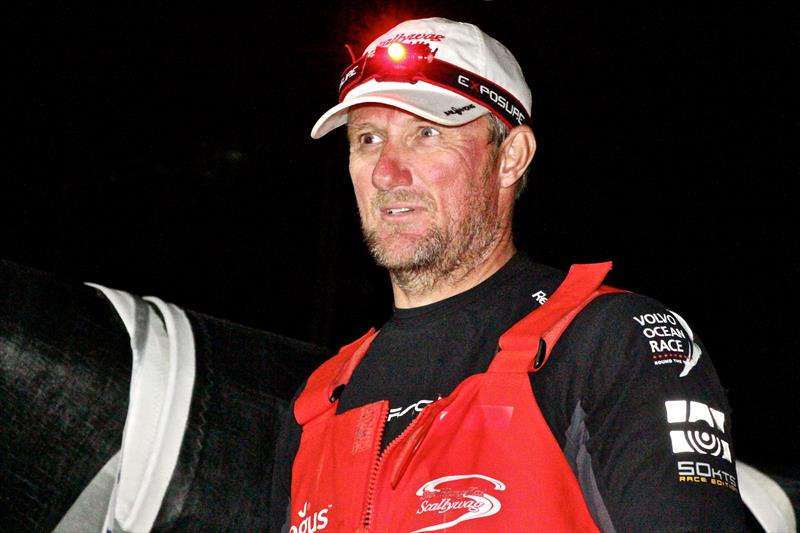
481,459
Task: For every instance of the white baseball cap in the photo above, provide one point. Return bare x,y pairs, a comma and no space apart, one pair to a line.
444,71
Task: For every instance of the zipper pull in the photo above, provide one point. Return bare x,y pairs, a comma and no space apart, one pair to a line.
414,439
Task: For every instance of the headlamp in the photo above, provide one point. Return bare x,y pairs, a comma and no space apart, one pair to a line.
396,52
410,63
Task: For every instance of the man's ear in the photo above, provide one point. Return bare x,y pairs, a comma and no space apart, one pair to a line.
515,155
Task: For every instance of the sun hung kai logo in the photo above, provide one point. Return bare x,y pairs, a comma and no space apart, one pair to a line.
446,495
695,430
694,427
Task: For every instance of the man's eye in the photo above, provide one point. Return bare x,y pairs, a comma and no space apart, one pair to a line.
428,131
369,138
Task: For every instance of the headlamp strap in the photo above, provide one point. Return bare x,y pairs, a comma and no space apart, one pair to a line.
424,67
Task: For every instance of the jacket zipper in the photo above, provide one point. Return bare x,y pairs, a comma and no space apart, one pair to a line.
373,476
424,422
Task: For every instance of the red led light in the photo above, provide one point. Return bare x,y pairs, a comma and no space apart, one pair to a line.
412,63
396,52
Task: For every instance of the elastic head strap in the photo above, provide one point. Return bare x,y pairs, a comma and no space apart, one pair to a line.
423,66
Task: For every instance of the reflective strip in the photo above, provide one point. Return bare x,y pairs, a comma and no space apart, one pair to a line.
161,392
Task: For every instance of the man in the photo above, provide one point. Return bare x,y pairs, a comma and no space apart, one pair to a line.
600,408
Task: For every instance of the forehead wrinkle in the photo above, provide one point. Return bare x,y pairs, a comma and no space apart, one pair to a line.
358,126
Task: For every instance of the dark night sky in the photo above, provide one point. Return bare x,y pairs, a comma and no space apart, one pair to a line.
165,150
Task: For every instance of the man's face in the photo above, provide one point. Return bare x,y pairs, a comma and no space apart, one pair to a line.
427,194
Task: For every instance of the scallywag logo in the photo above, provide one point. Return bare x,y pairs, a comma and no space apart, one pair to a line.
467,500
412,38
670,340
695,428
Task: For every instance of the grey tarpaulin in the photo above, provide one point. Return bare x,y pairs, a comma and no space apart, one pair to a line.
65,373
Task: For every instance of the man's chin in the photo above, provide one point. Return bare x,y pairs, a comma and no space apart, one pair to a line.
402,252
395,257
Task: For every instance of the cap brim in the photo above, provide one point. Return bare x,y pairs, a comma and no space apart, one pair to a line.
422,99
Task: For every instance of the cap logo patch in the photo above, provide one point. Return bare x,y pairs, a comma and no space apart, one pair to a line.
412,38
458,110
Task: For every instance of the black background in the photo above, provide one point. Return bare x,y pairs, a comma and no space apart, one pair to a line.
165,150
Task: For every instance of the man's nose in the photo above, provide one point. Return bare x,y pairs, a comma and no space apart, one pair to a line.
392,168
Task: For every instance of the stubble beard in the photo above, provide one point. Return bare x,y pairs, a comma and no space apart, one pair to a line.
443,255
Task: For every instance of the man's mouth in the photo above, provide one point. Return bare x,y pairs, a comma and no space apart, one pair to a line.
398,210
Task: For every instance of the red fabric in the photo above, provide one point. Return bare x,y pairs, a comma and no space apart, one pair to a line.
334,372
482,459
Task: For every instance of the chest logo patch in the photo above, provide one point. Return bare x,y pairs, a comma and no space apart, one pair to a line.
398,412
462,496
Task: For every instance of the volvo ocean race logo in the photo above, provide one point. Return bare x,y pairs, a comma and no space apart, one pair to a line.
437,497
670,340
